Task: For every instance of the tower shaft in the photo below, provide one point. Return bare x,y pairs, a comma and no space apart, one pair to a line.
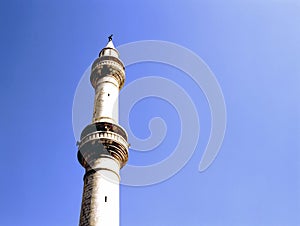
103,147
100,199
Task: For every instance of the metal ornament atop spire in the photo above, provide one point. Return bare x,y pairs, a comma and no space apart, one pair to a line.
110,37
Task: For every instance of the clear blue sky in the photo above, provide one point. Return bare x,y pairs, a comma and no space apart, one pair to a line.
251,46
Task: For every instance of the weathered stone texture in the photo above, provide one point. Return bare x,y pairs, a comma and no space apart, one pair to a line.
100,200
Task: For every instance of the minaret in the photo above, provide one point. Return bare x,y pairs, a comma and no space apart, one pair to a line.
103,147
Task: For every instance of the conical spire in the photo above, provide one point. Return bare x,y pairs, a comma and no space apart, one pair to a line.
109,49
110,44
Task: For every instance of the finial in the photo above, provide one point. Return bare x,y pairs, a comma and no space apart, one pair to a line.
110,37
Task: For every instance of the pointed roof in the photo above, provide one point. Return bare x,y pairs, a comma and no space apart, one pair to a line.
109,49
110,44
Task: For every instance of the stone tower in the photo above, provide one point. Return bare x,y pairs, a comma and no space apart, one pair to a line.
103,147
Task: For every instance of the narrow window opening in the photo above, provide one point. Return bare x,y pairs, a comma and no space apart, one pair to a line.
108,94
105,198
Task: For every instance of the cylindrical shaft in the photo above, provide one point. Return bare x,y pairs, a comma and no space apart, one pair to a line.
106,100
100,199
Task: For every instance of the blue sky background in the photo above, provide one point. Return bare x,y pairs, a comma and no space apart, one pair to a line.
251,46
